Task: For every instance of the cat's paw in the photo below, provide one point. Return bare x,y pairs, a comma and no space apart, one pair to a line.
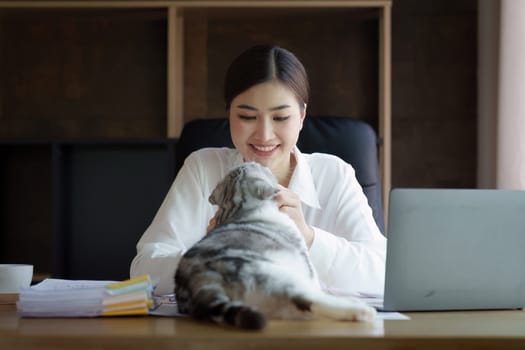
344,309
364,313
359,311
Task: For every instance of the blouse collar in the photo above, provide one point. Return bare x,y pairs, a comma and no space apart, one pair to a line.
302,182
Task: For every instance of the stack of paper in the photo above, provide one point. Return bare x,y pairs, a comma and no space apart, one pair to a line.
131,297
73,298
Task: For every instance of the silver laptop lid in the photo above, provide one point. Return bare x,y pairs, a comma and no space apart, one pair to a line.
455,249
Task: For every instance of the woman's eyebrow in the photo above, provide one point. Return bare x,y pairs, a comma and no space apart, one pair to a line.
279,107
247,107
276,108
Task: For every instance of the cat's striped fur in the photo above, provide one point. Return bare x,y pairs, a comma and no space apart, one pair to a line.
254,265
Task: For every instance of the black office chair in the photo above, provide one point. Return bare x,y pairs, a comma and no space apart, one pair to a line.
350,139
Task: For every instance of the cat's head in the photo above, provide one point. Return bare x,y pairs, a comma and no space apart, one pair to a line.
244,188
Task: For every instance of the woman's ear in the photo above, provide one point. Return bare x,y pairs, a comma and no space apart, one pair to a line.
303,115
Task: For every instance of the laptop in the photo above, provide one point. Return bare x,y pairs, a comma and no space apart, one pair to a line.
455,249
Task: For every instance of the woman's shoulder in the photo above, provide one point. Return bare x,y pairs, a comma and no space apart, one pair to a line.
213,155
211,158
207,166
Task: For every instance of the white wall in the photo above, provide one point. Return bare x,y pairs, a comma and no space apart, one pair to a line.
501,94
511,105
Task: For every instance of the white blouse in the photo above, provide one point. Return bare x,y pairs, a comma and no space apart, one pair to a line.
348,250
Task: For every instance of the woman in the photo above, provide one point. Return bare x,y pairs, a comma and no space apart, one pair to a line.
266,95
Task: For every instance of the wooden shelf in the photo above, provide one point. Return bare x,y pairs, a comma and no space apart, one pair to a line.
175,50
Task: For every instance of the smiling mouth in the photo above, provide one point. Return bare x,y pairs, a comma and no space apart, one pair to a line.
264,150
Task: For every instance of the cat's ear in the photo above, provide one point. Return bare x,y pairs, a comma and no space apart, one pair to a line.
216,195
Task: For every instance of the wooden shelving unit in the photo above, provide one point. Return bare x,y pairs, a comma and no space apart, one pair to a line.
115,71
175,49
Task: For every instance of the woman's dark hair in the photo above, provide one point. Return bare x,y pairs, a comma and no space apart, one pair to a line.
264,63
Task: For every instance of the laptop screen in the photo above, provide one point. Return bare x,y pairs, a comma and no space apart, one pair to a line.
455,249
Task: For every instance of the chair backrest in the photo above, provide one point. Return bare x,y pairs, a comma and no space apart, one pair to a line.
350,139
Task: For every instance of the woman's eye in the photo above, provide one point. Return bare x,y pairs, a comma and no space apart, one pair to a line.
281,119
247,117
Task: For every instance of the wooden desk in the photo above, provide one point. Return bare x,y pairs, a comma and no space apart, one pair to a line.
443,330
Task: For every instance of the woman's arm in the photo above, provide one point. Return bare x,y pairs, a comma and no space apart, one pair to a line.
179,223
348,250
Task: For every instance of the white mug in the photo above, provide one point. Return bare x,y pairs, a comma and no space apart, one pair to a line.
14,277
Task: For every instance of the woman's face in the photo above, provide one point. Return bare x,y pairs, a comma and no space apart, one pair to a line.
265,121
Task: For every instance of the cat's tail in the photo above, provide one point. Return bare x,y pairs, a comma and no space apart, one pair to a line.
243,316
218,308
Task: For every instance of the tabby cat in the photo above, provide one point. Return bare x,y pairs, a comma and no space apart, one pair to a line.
254,264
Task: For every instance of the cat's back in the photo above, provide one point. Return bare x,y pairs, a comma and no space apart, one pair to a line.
253,237
249,256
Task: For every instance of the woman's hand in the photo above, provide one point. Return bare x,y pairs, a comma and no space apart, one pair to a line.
290,204
212,223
